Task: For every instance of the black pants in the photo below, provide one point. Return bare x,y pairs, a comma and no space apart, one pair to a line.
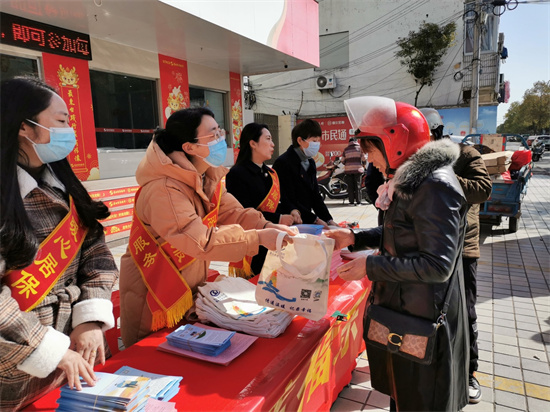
470,274
354,187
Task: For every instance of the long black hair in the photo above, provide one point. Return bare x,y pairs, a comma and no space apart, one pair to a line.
251,132
181,127
24,98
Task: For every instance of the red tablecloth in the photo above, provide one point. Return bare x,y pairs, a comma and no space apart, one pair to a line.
303,369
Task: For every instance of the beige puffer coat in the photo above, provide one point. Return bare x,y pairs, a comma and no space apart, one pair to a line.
172,204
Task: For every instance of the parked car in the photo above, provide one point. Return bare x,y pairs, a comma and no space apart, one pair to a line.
530,140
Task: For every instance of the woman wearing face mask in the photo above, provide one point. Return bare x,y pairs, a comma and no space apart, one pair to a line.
256,185
298,176
183,219
56,271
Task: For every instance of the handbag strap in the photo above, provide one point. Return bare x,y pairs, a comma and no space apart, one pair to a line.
443,312
447,301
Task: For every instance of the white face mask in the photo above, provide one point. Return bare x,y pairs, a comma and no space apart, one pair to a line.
62,142
312,149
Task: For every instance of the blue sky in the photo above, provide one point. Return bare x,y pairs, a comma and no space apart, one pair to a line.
527,38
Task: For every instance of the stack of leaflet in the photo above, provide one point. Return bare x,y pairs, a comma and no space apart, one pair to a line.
111,392
230,302
209,342
161,387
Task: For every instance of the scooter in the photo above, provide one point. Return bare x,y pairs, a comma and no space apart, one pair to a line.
331,181
537,149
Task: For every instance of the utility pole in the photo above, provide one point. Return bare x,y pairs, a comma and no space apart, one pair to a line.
474,96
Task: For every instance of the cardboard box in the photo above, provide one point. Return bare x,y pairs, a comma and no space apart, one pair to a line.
494,170
497,158
496,142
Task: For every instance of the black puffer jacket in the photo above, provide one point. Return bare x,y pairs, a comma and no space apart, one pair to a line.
419,245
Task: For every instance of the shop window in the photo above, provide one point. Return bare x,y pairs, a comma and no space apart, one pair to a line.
334,50
215,101
11,66
125,110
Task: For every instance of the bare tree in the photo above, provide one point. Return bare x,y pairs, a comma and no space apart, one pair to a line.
421,51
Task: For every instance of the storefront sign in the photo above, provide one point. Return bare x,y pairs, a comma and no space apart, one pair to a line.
235,85
29,34
335,138
71,78
174,84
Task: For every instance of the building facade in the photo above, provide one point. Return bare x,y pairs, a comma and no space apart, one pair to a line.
357,57
124,66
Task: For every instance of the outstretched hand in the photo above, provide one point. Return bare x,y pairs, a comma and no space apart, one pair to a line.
343,237
354,270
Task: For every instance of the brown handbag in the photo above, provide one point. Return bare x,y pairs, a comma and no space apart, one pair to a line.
409,336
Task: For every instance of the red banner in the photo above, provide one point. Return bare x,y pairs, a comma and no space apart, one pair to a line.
174,85
335,138
235,85
121,227
125,201
71,78
102,194
124,213
118,130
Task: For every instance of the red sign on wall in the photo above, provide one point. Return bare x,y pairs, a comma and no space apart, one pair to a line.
235,85
335,138
174,84
71,78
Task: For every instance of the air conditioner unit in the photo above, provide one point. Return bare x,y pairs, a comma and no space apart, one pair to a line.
325,82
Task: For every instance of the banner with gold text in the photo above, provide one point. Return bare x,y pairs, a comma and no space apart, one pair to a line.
71,78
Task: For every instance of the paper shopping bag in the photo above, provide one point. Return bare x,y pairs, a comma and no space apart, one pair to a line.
296,278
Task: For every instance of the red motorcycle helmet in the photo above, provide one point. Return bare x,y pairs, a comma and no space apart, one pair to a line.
400,127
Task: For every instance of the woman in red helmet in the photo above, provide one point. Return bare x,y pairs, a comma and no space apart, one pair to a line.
419,257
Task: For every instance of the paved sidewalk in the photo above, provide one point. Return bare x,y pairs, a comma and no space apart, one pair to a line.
513,311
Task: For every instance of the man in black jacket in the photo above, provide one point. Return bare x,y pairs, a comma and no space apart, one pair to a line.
476,184
298,175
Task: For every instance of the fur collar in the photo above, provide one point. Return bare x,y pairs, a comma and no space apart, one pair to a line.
424,162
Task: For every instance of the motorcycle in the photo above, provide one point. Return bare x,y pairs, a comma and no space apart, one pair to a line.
537,150
332,185
331,181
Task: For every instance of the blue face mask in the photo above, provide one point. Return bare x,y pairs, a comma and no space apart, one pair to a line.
62,142
218,150
312,149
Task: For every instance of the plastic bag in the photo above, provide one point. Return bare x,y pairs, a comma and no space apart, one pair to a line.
296,278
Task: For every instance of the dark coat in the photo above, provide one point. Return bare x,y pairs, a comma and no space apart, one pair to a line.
419,253
476,183
299,188
250,185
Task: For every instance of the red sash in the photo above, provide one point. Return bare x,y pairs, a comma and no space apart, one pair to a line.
169,296
29,286
269,204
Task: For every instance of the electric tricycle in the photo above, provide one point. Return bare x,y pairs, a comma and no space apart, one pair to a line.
508,190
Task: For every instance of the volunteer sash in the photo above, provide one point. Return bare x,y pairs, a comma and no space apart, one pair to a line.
169,296
269,204
29,286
